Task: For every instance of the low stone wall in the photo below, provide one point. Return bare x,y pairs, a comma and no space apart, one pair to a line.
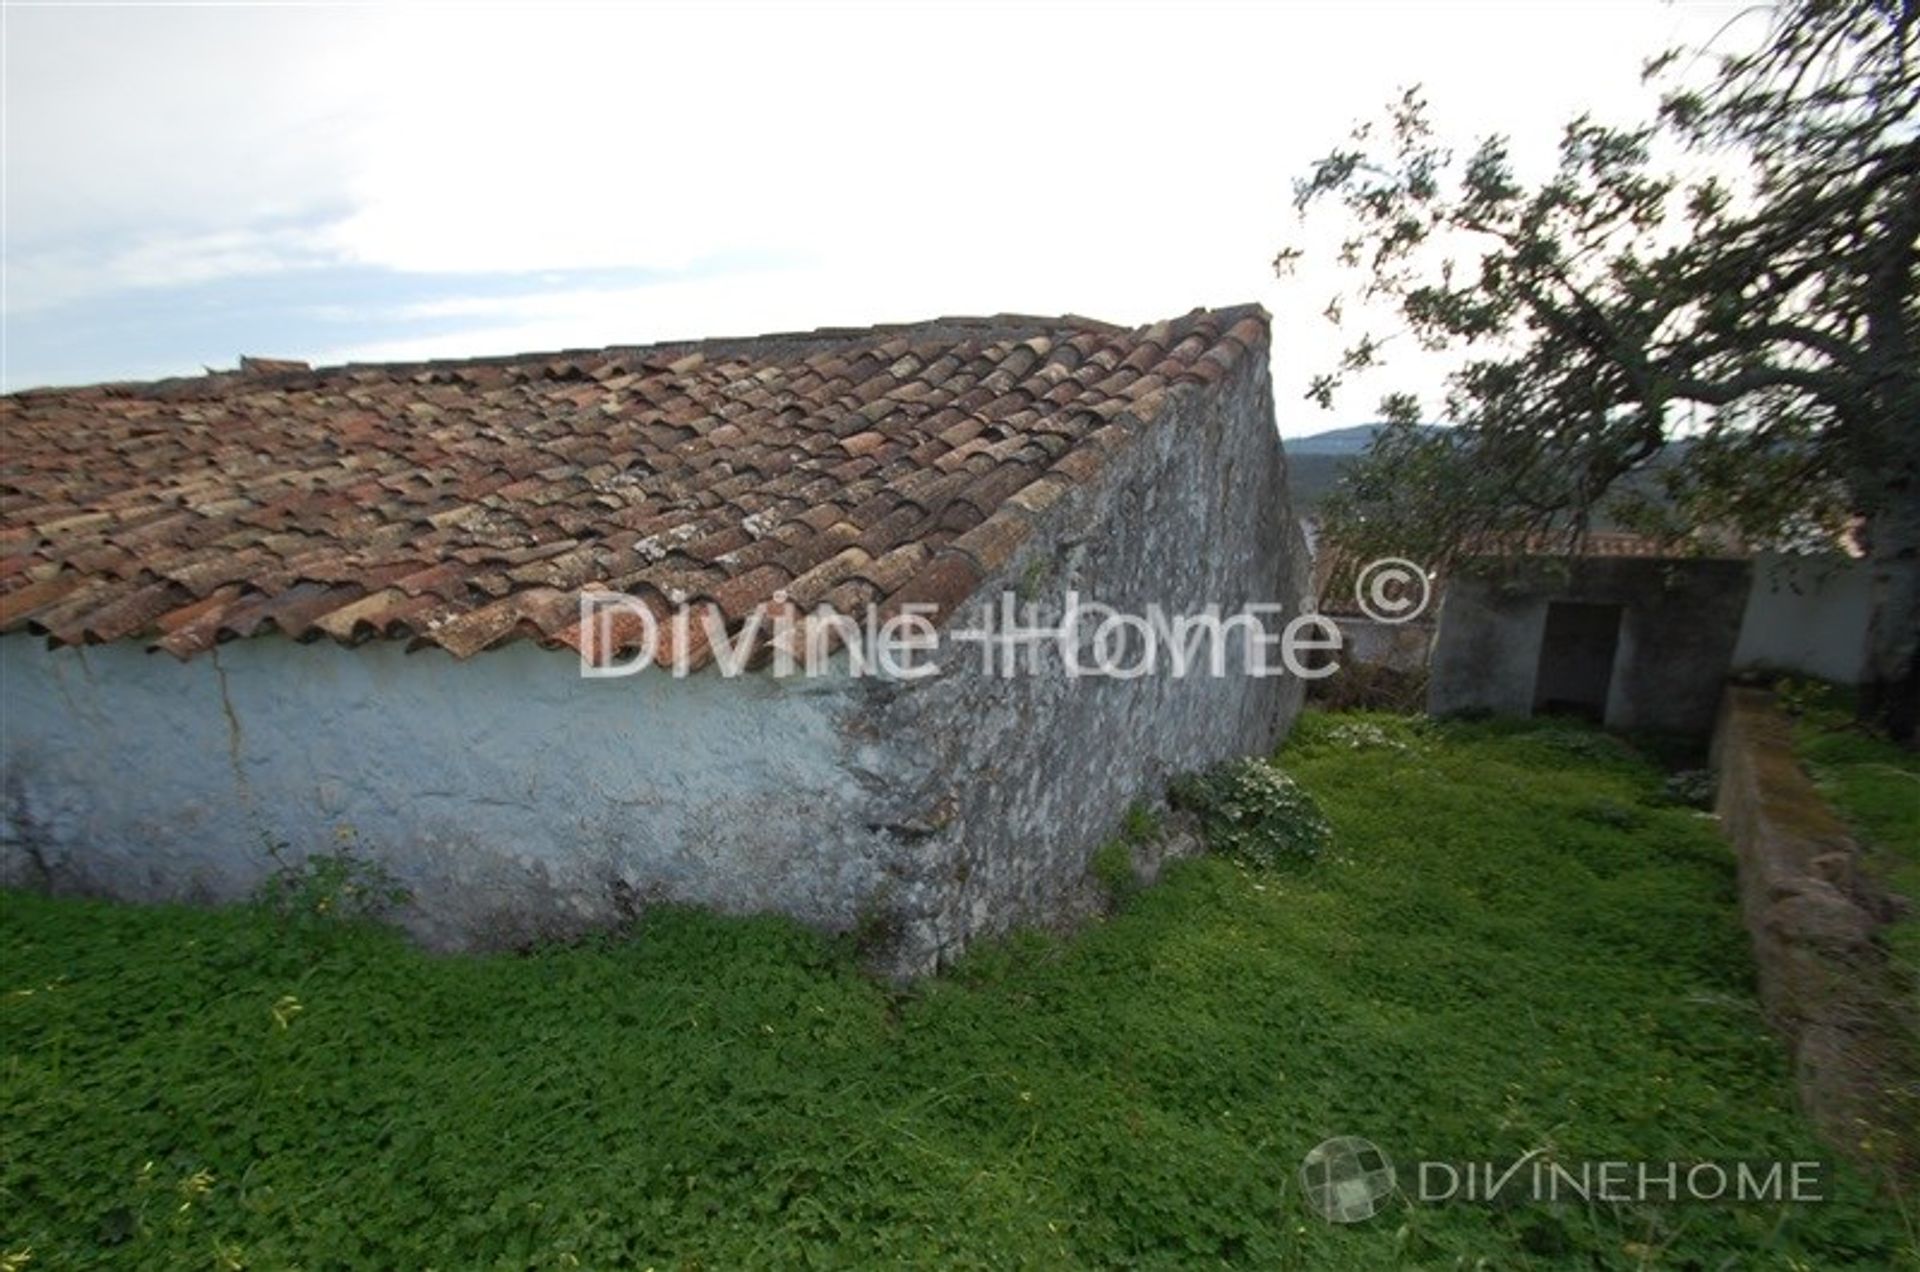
1813,916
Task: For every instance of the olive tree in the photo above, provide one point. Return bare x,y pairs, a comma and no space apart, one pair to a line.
1711,320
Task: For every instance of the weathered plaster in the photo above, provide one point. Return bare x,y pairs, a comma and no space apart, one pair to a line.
513,797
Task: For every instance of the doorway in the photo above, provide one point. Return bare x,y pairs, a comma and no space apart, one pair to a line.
1576,660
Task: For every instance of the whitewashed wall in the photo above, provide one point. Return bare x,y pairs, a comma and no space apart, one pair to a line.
513,797
1808,615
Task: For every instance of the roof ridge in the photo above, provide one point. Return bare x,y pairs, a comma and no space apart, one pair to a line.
269,372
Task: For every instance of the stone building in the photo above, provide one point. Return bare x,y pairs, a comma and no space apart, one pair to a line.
1634,642
1635,637
246,610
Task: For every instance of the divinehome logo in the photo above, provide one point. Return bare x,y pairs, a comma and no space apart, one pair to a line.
1077,635
1079,638
1348,1179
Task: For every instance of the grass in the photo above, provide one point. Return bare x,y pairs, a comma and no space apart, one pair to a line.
1513,944
1874,784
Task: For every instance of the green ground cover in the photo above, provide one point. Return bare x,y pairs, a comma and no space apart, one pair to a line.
1875,786
1513,943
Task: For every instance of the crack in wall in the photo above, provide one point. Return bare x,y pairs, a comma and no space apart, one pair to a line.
235,741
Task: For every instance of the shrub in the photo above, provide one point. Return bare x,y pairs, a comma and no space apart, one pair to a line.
879,929
1112,864
1370,687
341,886
1252,812
1689,788
1584,744
1364,735
1800,697
1112,868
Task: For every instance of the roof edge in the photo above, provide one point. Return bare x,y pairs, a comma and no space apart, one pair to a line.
277,372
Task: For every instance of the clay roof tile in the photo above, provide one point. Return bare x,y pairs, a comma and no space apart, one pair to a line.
467,503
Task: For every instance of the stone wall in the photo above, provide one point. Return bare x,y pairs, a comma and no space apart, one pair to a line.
1026,776
518,801
1812,914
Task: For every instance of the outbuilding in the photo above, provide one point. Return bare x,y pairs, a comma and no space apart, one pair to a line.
247,614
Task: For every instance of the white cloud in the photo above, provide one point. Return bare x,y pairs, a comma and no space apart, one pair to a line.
1124,161
62,275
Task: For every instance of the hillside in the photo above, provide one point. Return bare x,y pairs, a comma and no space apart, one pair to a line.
1316,462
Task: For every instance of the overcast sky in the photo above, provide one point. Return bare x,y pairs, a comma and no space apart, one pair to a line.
187,184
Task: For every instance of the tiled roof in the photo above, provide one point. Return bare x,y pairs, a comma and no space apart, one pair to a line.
1334,570
1597,543
466,504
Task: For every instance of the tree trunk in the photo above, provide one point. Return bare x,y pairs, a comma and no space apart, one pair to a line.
1890,694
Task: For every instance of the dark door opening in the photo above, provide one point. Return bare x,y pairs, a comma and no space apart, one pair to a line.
1576,660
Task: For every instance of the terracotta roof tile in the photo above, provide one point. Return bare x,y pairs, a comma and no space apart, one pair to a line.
992,543
941,584
463,504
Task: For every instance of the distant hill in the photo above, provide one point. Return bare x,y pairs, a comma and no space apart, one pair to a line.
1351,440
1311,478
1316,461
